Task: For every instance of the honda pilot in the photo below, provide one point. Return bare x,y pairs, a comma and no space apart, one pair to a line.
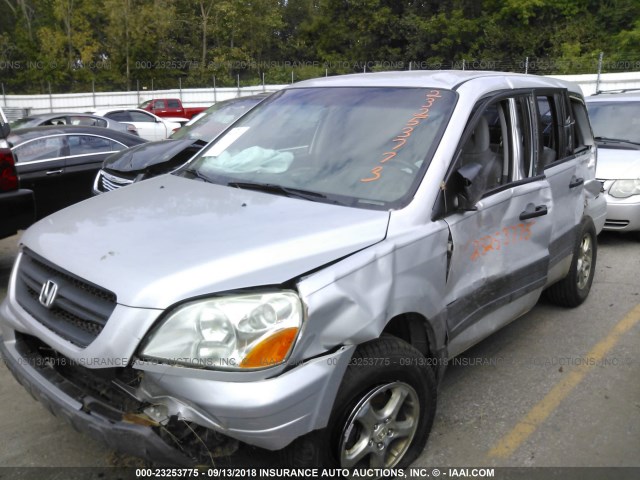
302,282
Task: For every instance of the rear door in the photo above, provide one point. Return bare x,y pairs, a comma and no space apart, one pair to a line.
174,108
498,246
560,161
148,126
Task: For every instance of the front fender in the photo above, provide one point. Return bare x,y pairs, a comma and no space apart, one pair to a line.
352,301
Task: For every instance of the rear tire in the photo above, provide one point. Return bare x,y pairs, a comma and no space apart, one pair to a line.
382,414
572,290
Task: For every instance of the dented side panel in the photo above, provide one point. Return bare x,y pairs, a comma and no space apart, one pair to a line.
497,258
352,301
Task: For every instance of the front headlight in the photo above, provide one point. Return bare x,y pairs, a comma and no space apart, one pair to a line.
229,332
625,188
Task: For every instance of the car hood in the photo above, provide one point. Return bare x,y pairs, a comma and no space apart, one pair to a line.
618,164
167,239
146,155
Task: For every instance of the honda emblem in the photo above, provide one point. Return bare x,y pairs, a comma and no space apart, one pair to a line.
48,293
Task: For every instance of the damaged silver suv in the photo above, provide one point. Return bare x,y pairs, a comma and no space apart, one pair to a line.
305,278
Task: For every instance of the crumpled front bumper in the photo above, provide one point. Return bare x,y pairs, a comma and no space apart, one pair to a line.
50,391
268,413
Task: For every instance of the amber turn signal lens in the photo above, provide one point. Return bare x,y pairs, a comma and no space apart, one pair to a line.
272,350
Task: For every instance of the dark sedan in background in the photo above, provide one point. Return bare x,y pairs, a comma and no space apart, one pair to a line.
156,158
59,163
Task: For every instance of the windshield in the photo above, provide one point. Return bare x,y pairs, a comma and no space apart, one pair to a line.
24,122
365,147
216,118
615,120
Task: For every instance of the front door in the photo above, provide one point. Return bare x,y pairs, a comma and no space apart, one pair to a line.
41,166
499,255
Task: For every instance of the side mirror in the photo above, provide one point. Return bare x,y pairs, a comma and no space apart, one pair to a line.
472,185
5,129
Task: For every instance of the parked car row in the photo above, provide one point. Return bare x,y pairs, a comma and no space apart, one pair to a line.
613,117
64,162
155,158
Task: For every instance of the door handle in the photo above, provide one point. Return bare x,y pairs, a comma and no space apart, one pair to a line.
539,211
53,172
576,182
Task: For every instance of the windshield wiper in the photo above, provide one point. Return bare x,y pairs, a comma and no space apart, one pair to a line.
198,174
278,189
616,140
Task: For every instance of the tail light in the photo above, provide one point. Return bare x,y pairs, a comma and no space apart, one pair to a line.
8,175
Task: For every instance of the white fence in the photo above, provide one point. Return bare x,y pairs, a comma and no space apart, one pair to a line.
86,102
608,81
17,105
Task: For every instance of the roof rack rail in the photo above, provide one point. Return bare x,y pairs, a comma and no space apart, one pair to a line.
620,90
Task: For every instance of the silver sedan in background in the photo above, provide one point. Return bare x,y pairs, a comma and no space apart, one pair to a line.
72,118
615,118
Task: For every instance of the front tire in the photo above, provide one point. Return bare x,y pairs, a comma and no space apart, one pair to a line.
382,414
572,290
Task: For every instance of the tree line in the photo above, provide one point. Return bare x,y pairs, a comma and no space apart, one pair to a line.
79,45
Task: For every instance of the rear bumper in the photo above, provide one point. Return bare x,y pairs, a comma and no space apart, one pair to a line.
18,211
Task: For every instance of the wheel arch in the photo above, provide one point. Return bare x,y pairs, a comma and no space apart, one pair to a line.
416,330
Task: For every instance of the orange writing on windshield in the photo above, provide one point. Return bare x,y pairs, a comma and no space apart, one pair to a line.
401,139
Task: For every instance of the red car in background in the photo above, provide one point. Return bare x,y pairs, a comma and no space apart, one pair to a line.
170,107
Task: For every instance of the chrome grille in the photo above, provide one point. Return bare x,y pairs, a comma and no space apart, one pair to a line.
108,182
80,309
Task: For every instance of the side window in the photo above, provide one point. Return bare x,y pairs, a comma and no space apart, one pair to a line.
498,151
549,129
174,104
583,138
483,153
56,121
40,149
159,104
141,117
500,142
119,116
89,144
88,121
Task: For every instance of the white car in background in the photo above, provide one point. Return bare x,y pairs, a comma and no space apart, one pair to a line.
150,126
